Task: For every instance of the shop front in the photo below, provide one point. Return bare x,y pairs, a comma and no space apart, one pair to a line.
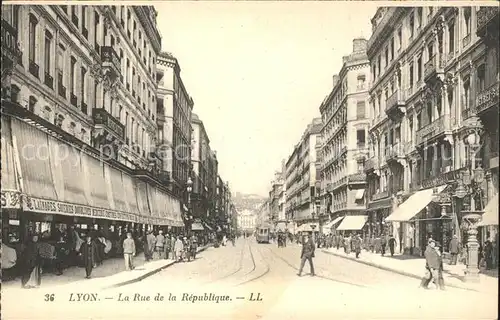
419,218
51,186
351,225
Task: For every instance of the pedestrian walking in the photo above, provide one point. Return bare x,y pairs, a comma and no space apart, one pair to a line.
172,243
87,251
356,244
307,253
392,244
433,265
178,249
160,242
454,249
32,273
383,243
168,246
194,246
129,251
151,240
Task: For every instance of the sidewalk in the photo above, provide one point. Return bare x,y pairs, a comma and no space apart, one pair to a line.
414,267
110,274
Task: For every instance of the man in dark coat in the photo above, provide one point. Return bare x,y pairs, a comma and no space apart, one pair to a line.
307,254
454,248
88,253
392,244
383,243
433,264
356,244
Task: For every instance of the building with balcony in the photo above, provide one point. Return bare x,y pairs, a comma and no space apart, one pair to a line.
277,200
486,108
83,84
204,175
223,204
426,63
174,109
344,134
301,179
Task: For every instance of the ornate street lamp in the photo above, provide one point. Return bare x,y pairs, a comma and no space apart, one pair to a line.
189,189
470,184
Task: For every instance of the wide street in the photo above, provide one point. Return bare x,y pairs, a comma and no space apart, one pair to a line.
268,274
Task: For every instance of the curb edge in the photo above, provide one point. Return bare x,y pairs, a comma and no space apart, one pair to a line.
150,273
404,273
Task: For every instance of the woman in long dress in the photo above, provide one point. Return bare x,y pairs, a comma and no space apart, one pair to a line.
32,275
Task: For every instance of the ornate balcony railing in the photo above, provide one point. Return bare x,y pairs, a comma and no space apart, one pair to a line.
356,178
394,101
49,80
433,129
110,59
84,108
439,179
10,48
466,41
434,66
371,164
487,98
73,100
484,16
107,121
34,68
380,195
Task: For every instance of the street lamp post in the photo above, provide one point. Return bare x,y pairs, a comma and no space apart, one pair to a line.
470,184
189,189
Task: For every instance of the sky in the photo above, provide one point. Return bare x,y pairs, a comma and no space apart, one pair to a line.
258,72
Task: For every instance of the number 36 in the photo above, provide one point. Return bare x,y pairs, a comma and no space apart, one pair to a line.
49,297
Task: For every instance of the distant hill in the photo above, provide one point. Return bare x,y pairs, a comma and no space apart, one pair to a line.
249,202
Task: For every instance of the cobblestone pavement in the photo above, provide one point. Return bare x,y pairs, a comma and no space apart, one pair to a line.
262,272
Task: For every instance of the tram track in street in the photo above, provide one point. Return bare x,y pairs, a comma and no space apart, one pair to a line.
317,275
240,266
266,271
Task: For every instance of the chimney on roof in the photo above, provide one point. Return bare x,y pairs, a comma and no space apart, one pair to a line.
359,45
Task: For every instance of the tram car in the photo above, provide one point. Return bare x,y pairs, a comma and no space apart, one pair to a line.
262,234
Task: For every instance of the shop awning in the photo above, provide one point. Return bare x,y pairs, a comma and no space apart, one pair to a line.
413,205
360,193
117,189
197,226
306,227
131,195
142,197
36,171
337,220
96,182
353,223
10,188
490,215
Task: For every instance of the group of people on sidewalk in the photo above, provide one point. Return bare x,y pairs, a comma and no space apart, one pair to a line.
354,243
58,250
53,252
161,246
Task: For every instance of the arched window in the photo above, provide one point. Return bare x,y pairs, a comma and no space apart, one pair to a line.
32,103
14,93
71,127
47,113
59,120
83,134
